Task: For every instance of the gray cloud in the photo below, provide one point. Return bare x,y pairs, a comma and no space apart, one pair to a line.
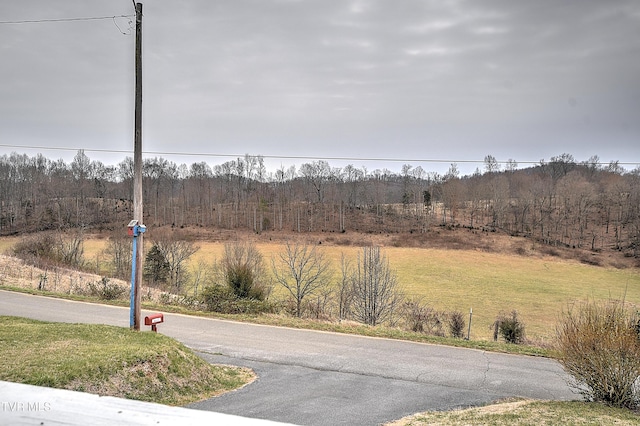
411,79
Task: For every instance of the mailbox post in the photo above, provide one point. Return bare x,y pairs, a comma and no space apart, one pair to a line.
134,230
153,320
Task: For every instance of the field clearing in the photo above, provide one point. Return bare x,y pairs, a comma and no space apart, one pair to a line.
538,288
489,283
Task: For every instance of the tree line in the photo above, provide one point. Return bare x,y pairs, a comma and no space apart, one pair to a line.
560,202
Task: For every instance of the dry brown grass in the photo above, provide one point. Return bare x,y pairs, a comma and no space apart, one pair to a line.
526,412
15,272
494,275
498,408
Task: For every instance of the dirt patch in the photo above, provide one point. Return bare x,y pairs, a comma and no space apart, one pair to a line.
500,408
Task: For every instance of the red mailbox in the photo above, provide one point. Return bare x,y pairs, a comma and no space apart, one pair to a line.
153,320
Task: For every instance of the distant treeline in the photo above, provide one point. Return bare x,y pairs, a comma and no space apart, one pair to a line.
560,202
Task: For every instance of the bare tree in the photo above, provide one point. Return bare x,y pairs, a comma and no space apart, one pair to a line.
512,165
176,251
498,196
453,197
345,288
202,273
491,165
317,175
70,247
375,287
577,198
81,169
301,269
118,250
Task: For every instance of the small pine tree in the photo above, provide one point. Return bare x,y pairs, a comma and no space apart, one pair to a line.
456,324
510,327
156,267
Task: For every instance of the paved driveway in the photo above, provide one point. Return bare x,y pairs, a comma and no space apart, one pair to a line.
318,378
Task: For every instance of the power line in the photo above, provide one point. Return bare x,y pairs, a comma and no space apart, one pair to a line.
91,18
277,157
283,157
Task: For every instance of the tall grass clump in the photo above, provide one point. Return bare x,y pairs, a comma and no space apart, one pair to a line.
243,268
599,348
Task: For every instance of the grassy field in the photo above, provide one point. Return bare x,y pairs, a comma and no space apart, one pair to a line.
489,283
538,288
6,243
109,360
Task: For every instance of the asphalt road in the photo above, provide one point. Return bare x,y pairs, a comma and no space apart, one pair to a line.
318,378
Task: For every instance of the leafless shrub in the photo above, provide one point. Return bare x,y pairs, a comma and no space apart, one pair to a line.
343,242
35,247
105,289
620,265
590,260
70,248
48,249
520,251
550,251
171,299
599,347
319,306
422,318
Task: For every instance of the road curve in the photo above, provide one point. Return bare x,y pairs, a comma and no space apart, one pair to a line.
320,378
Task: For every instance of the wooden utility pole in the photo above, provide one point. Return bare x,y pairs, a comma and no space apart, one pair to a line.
137,168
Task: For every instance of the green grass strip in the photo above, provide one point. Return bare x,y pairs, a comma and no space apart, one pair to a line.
109,360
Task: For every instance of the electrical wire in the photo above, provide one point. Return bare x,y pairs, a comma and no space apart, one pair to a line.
129,30
92,18
284,157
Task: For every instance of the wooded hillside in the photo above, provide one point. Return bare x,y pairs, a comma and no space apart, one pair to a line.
562,202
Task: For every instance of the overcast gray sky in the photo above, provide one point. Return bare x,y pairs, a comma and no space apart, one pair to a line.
364,79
